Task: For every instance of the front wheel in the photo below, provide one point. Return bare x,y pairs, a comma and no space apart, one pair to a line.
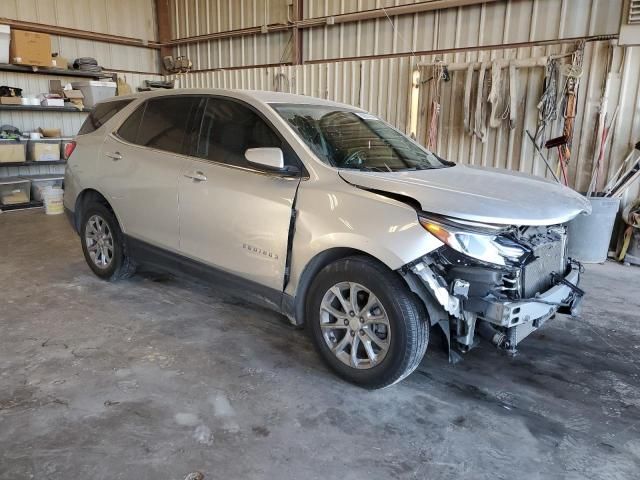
365,323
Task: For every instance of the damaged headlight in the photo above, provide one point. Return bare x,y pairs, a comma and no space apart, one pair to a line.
485,244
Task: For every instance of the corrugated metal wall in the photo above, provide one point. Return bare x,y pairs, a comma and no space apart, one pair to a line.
131,18
196,17
489,24
496,23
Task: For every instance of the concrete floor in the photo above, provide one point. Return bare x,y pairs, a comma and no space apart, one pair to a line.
153,378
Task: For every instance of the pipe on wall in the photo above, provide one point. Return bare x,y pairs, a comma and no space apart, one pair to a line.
81,34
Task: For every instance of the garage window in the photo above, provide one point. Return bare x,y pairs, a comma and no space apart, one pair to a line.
102,114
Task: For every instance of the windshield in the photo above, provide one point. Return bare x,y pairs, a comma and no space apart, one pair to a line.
349,139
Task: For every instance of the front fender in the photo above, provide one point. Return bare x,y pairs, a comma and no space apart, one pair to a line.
346,217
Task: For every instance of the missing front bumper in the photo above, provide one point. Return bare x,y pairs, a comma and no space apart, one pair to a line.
504,323
522,318
545,305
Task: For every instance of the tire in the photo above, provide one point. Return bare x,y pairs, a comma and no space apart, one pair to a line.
406,337
120,265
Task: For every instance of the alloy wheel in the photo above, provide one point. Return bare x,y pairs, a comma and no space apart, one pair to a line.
99,241
355,325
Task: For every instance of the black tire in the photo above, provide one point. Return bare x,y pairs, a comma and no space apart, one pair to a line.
408,322
122,265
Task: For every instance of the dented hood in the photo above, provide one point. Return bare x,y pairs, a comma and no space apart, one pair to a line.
485,195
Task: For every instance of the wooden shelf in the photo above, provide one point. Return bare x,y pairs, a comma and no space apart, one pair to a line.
41,108
5,67
21,206
29,164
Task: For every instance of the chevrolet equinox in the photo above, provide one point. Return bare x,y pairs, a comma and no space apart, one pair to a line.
327,214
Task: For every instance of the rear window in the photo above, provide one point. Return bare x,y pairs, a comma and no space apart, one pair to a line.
101,115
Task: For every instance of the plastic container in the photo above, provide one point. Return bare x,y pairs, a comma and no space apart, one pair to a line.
41,182
45,149
14,190
590,235
5,36
94,91
53,201
12,151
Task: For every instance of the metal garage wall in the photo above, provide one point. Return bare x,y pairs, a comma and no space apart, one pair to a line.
131,18
496,23
197,17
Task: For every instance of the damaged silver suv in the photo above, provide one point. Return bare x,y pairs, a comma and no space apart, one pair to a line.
327,214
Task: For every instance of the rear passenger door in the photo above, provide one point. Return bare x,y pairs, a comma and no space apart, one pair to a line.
235,215
141,162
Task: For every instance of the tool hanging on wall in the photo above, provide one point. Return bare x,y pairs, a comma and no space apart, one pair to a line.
468,79
440,73
495,120
479,127
513,95
573,72
548,105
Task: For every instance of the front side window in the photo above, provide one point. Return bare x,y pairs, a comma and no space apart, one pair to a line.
101,114
356,140
160,123
229,128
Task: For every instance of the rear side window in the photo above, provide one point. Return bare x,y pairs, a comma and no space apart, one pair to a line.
101,115
129,129
160,123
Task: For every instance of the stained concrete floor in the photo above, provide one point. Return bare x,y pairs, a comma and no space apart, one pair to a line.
153,378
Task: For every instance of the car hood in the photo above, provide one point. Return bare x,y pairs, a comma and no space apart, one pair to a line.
487,195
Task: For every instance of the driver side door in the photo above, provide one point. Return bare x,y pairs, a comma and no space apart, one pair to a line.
234,215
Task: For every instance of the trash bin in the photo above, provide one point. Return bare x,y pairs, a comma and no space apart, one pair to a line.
590,235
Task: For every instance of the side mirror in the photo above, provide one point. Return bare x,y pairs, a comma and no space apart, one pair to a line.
267,157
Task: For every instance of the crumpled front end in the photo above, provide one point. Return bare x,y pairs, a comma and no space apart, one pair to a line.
501,303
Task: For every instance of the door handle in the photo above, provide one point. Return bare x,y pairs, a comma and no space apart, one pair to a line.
196,176
114,156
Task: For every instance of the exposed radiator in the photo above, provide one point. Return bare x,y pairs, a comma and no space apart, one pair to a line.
549,252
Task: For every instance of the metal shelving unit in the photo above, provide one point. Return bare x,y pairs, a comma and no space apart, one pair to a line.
21,206
40,108
5,67
31,164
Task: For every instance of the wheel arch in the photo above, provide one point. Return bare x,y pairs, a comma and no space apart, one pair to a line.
84,199
296,309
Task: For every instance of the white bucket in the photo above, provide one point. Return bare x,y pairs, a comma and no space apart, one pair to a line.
53,201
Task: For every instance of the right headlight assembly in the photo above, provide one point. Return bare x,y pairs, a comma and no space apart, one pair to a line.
480,243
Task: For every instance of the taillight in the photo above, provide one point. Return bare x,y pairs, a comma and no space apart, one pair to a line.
69,148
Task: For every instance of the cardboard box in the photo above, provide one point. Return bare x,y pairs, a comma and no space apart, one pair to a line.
30,48
5,35
12,151
11,100
73,94
44,150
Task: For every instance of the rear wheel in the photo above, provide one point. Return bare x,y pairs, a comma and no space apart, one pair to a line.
103,244
366,324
